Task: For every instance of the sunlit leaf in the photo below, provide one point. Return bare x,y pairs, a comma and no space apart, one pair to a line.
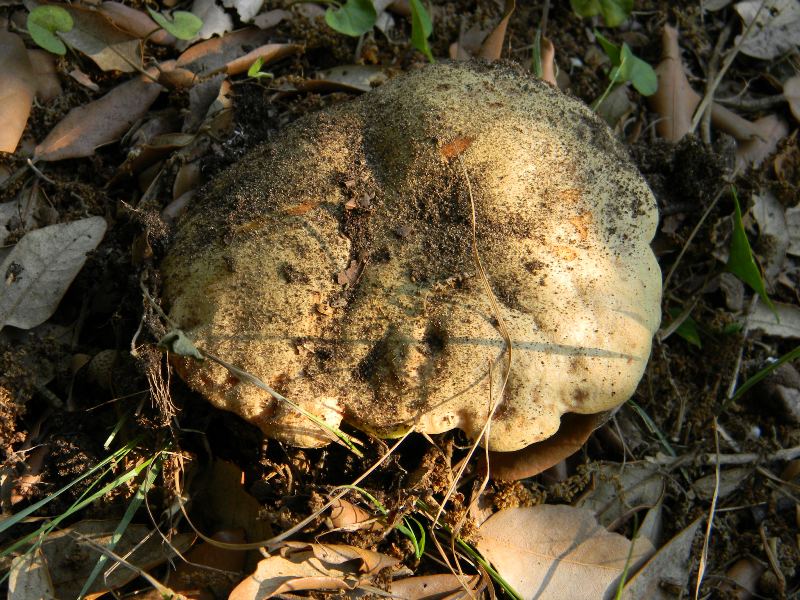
43,24
355,18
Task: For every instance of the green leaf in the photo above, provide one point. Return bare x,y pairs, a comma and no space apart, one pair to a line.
177,342
629,67
641,75
614,11
421,28
184,25
44,22
255,70
687,329
611,50
741,262
355,18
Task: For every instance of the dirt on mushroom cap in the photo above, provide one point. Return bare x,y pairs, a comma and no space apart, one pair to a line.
335,263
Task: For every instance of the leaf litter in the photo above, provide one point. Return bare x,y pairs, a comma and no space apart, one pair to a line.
619,491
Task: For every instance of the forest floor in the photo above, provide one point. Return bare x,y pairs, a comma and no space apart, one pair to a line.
98,434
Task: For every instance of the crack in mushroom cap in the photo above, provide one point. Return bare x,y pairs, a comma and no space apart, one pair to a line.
335,264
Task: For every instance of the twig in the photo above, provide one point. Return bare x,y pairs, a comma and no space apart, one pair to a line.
713,66
701,569
753,104
746,458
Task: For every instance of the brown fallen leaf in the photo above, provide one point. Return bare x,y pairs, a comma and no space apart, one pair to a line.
742,579
769,131
791,91
136,23
68,557
553,552
430,587
212,55
17,88
674,100
670,565
99,122
345,78
223,503
102,41
207,571
617,488
268,53
187,179
492,47
538,457
271,18
349,517
84,79
468,44
45,73
301,566
548,54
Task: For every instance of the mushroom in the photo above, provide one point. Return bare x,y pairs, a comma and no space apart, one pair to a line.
335,263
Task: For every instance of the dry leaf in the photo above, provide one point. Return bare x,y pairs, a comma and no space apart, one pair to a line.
225,505
215,20
773,233
548,56
84,80
793,224
729,481
271,18
618,488
349,517
39,269
348,558
100,122
770,130
783,323
247,9
455,147
492,47
212,56
268,53
95,36
17,87
674,100
187,179
791,91
345,78
742,579
136,22
69,560
311,567
777,28
551,552
668,567
18,215
538,457
431,587
195,579
29,578
468,44
45,73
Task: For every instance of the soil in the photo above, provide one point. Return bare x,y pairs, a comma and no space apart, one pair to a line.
67,385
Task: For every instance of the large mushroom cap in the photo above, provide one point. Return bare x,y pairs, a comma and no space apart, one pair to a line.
335,264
